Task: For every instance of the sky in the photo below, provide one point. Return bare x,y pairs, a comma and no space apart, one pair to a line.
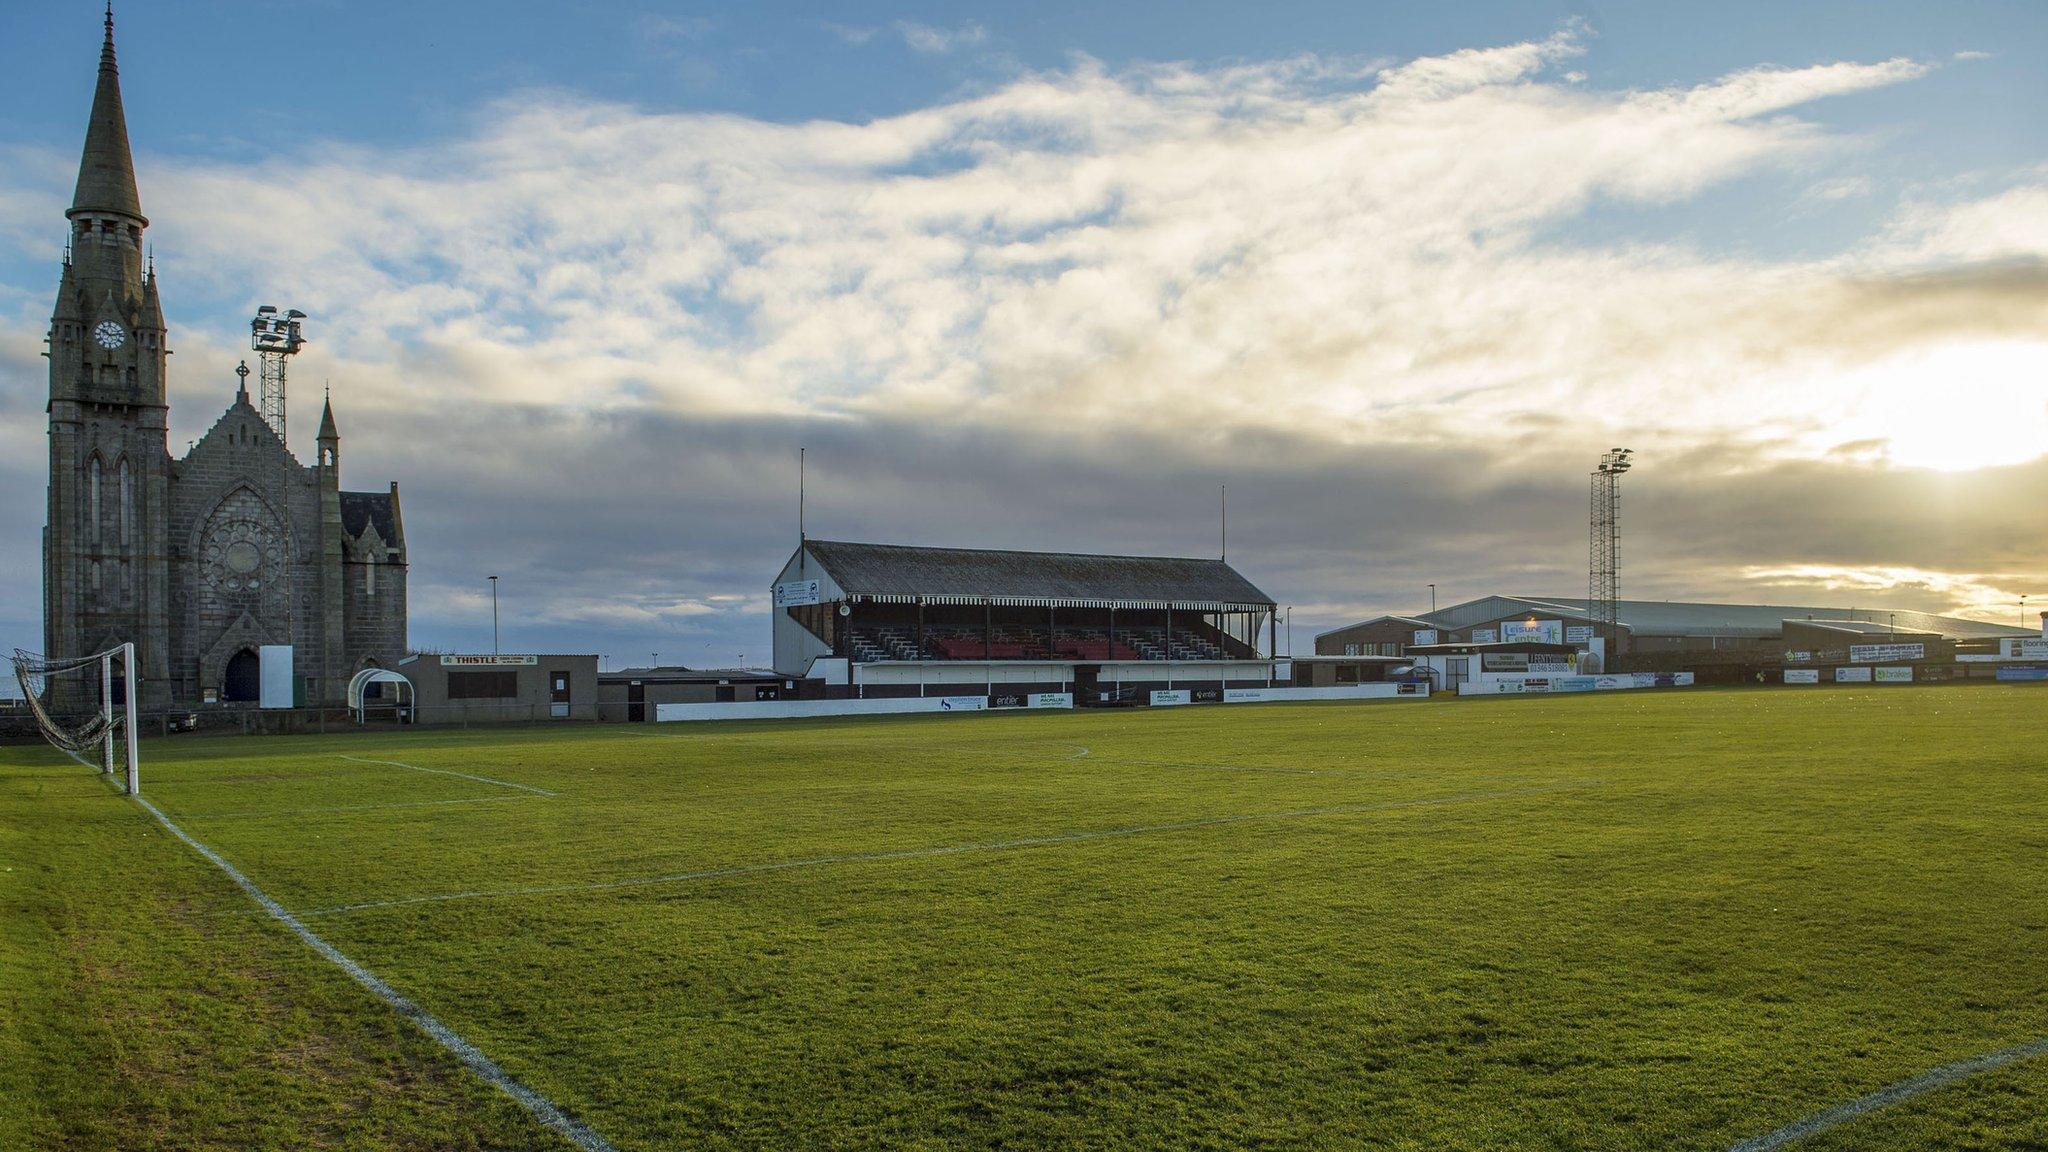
583,278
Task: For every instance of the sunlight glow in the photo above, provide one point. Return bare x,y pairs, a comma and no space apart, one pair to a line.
1954,407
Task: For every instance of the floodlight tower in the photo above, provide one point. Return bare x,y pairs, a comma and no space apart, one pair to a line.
275,338
1604,559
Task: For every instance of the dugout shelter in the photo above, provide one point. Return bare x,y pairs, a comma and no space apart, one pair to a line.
880,620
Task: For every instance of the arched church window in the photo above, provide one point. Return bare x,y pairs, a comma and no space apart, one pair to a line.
92,500
127,504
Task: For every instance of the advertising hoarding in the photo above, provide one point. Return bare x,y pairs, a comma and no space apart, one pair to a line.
2023,673
1579,634
1852,675
1872,653
1162,698
1485,636
1425,635
1898,675
1802,675
489,661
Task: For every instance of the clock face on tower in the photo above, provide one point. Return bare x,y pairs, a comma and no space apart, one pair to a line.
109,335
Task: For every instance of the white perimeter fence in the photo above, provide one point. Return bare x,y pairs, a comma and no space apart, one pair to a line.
788,709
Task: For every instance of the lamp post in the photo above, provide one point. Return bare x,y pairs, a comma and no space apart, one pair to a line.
494,615
1290,631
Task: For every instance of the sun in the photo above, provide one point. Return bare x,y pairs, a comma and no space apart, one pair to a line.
1955,407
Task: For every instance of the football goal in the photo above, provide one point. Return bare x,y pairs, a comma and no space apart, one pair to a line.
85,706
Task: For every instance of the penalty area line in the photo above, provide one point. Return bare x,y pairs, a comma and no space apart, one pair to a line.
950,849
264,814
1892,1094
450,772
486,1069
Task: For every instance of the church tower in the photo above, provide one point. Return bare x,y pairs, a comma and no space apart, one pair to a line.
106,576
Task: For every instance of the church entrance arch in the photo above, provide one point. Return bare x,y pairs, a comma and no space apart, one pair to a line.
242,681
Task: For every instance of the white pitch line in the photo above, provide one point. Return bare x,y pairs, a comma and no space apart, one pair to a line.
542,1109
262,813
1892,1094
946,850
450,772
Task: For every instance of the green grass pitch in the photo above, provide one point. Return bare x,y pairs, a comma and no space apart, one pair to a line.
1630,921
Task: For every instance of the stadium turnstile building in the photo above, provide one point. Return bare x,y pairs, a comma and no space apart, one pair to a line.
876,620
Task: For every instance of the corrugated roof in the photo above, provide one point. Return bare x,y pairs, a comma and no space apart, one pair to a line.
1412,621
1863,627
1684,618
970,575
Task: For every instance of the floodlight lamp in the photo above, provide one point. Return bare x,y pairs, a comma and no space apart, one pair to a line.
267,310
295,314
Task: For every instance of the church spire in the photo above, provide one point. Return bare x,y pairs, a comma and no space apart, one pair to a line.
106,173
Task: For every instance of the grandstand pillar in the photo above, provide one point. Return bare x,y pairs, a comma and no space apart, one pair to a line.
920,640
988,630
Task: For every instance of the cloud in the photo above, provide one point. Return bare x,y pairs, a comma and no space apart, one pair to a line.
934,40
588,338
674,28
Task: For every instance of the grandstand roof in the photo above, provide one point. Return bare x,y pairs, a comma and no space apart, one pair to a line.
1682,618
902,573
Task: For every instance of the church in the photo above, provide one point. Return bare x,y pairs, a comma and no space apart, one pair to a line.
205,560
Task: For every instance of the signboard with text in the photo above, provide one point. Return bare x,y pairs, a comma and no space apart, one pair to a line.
1872,653
1852,675
1899,675
1578,634
1802,675
1532,631
1425,635
489,661
793,593
1485,636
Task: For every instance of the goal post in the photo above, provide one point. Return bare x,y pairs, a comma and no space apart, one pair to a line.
82,712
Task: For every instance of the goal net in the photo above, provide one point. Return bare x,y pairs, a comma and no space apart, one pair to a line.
85,707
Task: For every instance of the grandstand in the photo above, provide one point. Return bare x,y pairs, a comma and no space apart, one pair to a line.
893,620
